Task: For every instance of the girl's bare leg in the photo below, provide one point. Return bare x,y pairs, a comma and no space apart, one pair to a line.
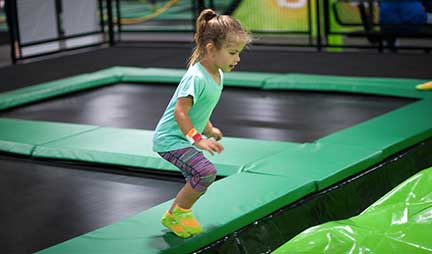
186,197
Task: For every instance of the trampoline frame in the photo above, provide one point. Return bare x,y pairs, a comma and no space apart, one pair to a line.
418,130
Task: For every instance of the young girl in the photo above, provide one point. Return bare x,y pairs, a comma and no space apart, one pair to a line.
219,40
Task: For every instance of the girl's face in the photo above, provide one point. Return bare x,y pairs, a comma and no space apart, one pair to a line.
227,57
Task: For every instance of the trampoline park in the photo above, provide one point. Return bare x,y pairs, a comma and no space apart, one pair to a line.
327,143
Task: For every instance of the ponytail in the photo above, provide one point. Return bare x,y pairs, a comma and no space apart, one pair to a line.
201,23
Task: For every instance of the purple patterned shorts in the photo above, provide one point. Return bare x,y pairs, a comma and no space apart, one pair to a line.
196,168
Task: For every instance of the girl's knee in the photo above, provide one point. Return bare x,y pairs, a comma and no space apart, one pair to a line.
211,174
206,178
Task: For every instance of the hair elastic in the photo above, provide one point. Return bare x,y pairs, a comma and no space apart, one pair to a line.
193,136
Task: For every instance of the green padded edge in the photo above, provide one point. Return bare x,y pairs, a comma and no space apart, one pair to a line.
351,150
134,148
143,233
116,75
237,79
391,132
159,75
350,138
55,88
115,146
21,136
248,79
326,164
238,152
379,86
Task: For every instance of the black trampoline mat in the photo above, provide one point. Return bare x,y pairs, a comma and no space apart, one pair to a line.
295,116
45,204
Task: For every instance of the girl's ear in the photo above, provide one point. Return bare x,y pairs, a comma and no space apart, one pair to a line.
209,48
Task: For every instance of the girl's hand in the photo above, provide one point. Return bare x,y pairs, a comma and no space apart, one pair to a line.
209,145
216,133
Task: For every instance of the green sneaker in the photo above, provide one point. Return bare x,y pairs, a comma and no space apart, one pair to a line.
187,220
425,86
172,224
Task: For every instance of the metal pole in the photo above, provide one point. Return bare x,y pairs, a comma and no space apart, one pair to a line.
326,20
197,7
200,6
12,20
9,20
101,16
318,25
60,30
309,24
119,25
110,23
59,10
194,17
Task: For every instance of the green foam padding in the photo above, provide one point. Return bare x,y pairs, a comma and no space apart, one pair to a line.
21,137
379,86
159,75
111,76
238,79
56,88
391,132
279,172
248,79
227,206
239,152
399,222
116,72
115,146
326,164
134,148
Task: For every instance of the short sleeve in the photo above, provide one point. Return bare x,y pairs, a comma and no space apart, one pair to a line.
192,86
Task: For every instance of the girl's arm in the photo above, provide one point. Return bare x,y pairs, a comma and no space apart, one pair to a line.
208,129
211,131
181,116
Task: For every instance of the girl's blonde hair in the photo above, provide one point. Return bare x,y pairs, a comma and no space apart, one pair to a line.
217,29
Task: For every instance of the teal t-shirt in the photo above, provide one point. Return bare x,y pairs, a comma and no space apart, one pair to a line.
197,83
